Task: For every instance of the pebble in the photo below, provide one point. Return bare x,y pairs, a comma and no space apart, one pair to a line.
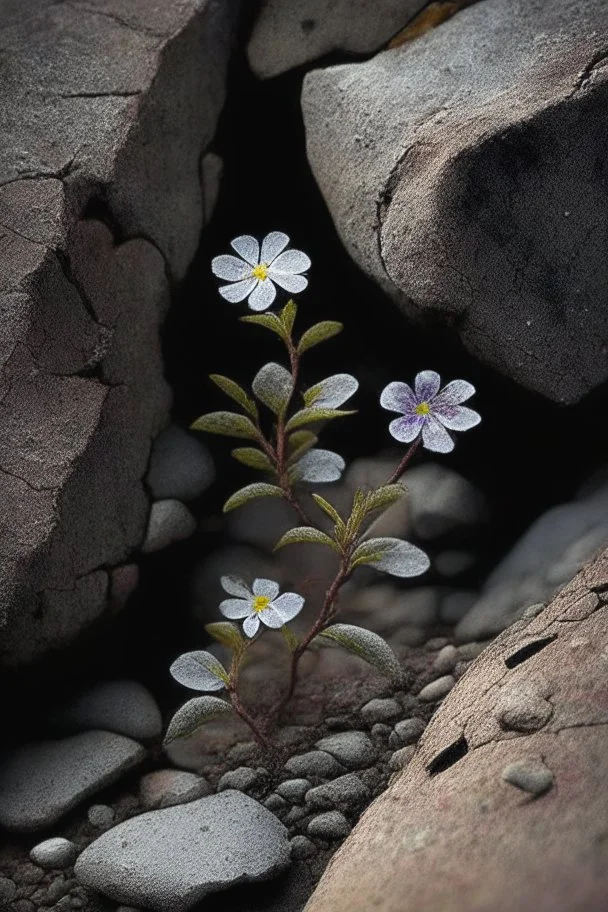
436,690
380,711
446,659
294,816
468,651
317,764
41,782
125,707
436,643
243,752
165,788
400,759
409,730
381,731
529,775
243,779
302,847
353,749
8,889
522,709
169,860
23,905
344,792
56,889
29,874
331,825
293,789
275,803
169,521
54,853
180,466
101,816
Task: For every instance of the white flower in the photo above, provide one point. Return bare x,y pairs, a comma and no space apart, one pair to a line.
331,392
318,466
260,603
429,411
253,273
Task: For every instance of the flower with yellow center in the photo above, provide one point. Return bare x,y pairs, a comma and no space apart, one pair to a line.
262,603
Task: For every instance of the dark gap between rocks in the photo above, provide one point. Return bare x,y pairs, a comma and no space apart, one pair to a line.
527,651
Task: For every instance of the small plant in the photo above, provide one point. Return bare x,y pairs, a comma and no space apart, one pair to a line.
281,423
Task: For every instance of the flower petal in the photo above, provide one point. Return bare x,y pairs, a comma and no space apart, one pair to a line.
435,437
455,392
427,385
251,625
192,669
407,428
319,466
398,397
272,245
247,247
332,392
235,609
262,296
238,291
271,618
265,587
230,268
292,283
234,585
456,417
291,261
288,605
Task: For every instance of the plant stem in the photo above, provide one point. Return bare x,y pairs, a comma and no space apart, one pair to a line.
240,710
404,462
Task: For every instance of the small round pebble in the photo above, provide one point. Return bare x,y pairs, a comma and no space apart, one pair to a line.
275,803
436,643
468,651
294,816
317,764
436,690
243,752
101,816
55,890
409,730
168,787
380,730
353,749
243,779
400,759
23,905
345,792
28,874
380,711
8,889
54,853
293,790
332,825
302,847
445,660
529,775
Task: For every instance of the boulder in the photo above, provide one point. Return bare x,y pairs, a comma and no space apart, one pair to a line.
461,172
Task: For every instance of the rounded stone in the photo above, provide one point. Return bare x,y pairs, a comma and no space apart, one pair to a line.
377,710
318,764
344,792
446,659
523,710
409,730
54,853
169,521
302,847
401,757
243,779
293,789
436,690
8,889
353,749
101,816
180,466
529,775
164,788
332,825
125,707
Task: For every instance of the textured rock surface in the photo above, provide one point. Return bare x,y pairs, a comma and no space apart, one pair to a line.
125,707
452,801
110,104
169,860
180,466
466,181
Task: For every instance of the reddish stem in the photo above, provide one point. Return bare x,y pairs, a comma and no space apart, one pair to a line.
404,462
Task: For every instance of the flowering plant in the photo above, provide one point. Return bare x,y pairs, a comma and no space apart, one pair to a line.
289,457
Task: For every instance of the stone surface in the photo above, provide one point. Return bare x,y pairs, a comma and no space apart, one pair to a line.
301,847
351,748
409,730
287,35
101,816
108,108
8,889
442,174
344,792
400,758
165,788
54,853
180,466
125,707
317,764
377,710
41,782
446,659
530,775
406,852
332,825
437,689
243,779
293,789
169,860
169,521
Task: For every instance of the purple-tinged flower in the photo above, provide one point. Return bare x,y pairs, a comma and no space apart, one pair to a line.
428,411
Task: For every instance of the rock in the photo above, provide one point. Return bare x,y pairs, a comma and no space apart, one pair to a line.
165,788
301,847
453,563
468,651
376,710
56,890
119,108
442,501
275,803
455,605
353,749
332,825
293,789
381,731
400,758
538,565
54,853
530,775
28,874
446,659
436,201
344,793
41,782
523,708
125,707
437,689
170,521
317,764
409,730
181,467
243,779
169,860
8,889
286,36
101,816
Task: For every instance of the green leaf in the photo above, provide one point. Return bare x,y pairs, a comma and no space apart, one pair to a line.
303,534
273,385
312,415
328,509
384,496
193,715
392,555
228,423
289,637
251,492
227,634
319,333
199,670
298,443
269,321
235,392
368,646
288,316
254,458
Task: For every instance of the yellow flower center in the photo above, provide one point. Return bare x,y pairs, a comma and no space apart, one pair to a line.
423,408
260,272
260,602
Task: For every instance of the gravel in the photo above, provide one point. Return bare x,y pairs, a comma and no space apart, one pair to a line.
317,764
344,793
353,749
332,825
386,710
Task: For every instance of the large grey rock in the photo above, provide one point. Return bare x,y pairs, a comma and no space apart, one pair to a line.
180,466
108,103
125,707
169,860
39,783
288,34
461,173
549,555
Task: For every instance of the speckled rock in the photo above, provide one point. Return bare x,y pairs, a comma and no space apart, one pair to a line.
164,788
345,792
332,825
437,689
530,775
101,816
352,749
318,764
125,707
54,853
386,710
169,521
181,467
294,789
